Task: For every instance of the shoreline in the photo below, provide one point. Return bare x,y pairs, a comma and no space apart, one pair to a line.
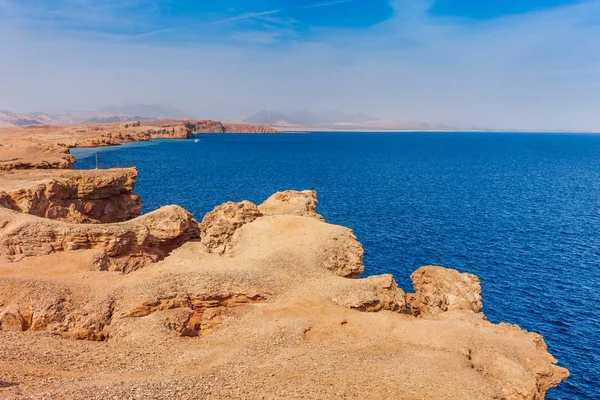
274,279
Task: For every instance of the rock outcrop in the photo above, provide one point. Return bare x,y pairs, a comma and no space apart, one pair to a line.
372,294
292,202
96,196
125,246
18,153
344,256
47,147
218,226
270,302
439,290
219,127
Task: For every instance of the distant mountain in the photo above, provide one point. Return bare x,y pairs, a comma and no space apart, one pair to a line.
113,119
267,118
111,114
156,111
8,119
307,117
332,120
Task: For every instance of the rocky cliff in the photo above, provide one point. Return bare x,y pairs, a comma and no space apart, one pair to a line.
43,146
219,127
100,196
124,246
256,301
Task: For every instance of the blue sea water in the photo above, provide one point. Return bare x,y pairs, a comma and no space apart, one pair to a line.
521,211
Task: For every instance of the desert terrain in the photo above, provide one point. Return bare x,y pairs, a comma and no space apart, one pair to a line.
253,301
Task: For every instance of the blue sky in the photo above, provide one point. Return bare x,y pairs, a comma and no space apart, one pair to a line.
532,64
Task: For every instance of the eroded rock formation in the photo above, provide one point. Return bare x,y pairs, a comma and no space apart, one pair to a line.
47,147
218,226
292,202
97,196
219,127
439,290
125,246
371,294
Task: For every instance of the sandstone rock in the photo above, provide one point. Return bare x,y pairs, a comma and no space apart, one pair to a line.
213,318
219,127
219,225
268,305
372,294
439,290
343,255
22,154
293,203
129,245
11,320
97,196
47,147
178,320
39,305
248,128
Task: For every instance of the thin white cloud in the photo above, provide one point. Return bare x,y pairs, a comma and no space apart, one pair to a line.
331,3
222,21
237,18
538,70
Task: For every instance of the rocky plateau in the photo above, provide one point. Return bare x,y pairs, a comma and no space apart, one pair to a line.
255,301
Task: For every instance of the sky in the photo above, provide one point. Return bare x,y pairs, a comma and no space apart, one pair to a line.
503,64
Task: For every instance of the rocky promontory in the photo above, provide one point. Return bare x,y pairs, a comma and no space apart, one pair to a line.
98,196
47,146
254,301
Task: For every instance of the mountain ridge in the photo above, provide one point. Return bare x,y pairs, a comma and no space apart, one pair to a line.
109,114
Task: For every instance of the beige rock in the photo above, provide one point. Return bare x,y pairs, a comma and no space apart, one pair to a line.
47,147
264,310
218,226
96,196
292,202
344,255
11,320
439,290
129,245
372,294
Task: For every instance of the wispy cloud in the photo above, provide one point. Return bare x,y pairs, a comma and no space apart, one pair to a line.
537,70
330,3
237,18
221,21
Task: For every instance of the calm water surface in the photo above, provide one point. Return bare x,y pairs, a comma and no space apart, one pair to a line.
521,211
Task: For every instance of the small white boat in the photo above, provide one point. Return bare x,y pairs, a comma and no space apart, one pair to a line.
197,141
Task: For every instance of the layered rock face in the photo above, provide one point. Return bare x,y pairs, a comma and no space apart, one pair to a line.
219,127
47,147
125,246
99,196
17,153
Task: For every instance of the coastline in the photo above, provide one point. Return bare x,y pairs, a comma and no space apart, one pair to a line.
310,285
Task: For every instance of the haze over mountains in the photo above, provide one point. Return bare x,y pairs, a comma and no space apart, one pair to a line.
335,120
290,119
307,117
110,114
286,120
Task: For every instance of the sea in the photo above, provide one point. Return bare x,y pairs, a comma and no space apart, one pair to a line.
519,210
